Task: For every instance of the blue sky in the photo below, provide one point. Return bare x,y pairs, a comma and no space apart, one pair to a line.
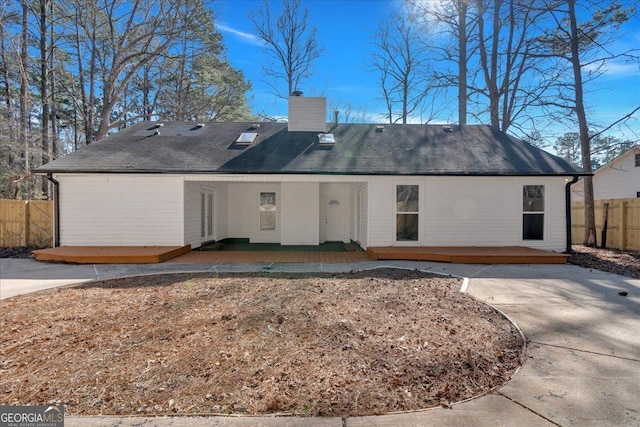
343,76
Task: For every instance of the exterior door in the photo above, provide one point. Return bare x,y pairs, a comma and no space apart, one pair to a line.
333,219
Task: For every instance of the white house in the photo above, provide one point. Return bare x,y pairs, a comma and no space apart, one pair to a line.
618,179
308,182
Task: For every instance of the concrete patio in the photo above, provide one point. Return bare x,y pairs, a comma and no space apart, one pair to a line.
582,366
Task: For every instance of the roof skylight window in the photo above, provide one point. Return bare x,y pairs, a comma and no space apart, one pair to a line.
246,138
326,139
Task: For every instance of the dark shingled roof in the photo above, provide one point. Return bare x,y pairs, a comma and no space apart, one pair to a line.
182,147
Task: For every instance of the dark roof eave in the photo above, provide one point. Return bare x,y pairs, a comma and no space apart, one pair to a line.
376,173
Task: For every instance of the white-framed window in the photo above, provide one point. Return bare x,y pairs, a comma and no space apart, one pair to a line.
533,200
268,211
407,213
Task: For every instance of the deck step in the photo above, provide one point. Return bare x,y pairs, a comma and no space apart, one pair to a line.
468,255
111,254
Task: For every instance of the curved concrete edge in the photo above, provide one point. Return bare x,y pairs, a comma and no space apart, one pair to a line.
581,366
276,420
202,421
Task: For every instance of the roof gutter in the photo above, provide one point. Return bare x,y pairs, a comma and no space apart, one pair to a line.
56,210
567,207
307,172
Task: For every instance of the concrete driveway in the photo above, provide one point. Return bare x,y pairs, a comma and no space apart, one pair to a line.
583,359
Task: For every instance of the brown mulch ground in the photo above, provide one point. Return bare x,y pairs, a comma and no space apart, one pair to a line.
17,252
626,263
352,344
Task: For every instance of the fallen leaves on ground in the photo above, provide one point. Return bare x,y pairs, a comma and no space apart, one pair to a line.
625,263
308,344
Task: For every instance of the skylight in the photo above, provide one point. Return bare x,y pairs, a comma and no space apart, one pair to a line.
326,139
247,138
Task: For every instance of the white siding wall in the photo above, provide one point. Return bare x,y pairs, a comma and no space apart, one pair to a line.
618,180
192,218
113,210
360,235
192,214
300,213
468,211
307,114
243,204
472,212
381,222
165,210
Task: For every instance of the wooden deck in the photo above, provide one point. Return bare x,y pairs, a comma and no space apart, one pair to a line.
183,254
111,254
469,255
217,257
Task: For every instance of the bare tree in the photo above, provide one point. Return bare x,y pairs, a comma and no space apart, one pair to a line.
290,42
462,9
455,20
44,85
114,44
25,115
510,79
577,45
399,56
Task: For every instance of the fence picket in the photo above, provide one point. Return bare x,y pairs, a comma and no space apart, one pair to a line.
623,231
26,223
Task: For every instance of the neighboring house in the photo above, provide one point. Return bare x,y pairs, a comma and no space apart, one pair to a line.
618,179
308,182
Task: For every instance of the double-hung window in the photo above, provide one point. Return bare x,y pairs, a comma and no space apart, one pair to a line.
267,211
407,213
533,212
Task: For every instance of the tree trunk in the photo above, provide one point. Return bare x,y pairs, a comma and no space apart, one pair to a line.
8,99
53,154
44,89
462,62
24,95
89,119
146,99
583,127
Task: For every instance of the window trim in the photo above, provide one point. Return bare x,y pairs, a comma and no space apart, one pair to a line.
542,212
419,213
276,197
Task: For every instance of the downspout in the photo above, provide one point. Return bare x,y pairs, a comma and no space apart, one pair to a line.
567,207
56,210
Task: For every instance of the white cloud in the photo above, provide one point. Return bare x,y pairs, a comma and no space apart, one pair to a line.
243,36
615,69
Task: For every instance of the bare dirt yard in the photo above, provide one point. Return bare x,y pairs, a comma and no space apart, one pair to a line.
343,345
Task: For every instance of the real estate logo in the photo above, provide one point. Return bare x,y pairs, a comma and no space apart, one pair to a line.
32,416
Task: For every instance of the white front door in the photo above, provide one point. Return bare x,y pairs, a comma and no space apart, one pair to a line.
333,219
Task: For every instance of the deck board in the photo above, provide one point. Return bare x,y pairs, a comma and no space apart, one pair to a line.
216,257
469,255
183,254
111,254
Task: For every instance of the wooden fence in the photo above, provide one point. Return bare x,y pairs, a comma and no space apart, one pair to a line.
26,223
623,223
